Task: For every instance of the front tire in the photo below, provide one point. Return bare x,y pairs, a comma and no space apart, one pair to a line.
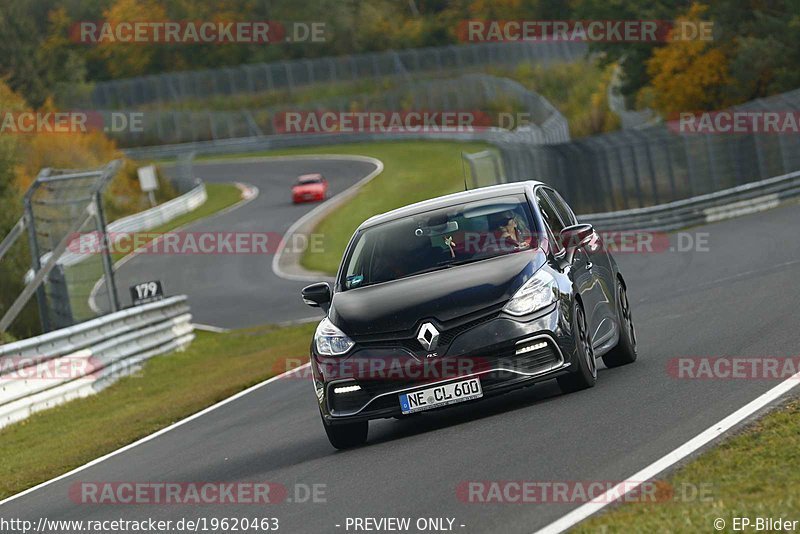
347,435
625,351
585,376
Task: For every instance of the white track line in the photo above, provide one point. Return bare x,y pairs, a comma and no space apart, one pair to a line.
154,435
320,211
649,472
212,329
246,199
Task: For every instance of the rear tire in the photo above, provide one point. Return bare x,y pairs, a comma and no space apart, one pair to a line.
625,351
347,435
585,376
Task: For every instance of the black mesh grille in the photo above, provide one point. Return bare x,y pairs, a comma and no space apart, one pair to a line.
408,339
430,372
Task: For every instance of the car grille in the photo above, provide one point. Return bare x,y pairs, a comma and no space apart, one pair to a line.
407,339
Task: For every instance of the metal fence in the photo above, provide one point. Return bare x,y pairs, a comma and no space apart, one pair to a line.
60,204
290,76
657,164
484,95
138,222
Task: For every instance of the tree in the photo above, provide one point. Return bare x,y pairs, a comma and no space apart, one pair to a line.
632,55
129,59
688,74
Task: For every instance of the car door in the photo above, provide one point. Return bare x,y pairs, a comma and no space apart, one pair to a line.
580,270
599,264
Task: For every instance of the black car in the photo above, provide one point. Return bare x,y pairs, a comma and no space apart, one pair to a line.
462,297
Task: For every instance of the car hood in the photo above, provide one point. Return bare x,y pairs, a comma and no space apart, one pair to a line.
441,295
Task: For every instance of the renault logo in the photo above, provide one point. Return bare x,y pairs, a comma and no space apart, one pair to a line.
428,336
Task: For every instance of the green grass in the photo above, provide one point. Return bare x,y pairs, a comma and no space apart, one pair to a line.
220,197
752,474
413,171
216,365
169,388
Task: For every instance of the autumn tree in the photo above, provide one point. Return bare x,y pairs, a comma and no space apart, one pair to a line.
688,73
129,59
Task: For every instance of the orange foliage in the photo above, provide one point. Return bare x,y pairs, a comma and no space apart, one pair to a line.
23,156
64,151
687,74
129,59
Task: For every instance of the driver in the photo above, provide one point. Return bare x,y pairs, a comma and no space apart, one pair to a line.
507,232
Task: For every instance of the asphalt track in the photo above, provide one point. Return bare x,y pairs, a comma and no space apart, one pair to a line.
240,290
737,296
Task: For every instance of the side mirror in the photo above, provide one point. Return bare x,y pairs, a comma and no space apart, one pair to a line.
574,237
317,295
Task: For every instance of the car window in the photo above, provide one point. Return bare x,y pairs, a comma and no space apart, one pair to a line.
562,208
551,219
439,239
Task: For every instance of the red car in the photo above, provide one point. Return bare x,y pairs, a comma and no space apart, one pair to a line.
310,188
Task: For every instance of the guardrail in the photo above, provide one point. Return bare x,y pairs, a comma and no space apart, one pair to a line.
166,212
725,204
78,361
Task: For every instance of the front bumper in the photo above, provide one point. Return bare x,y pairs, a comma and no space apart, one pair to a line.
504,352
307,197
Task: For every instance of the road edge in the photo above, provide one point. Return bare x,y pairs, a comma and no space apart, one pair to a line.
286,264
155,434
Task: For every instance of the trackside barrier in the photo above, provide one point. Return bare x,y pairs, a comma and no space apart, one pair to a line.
274,142
725,204
475,92
288,76
143,221
78,361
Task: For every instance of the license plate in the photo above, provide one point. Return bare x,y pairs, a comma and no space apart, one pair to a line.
425,399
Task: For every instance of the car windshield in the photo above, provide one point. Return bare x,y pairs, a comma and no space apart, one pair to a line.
303,180
439,239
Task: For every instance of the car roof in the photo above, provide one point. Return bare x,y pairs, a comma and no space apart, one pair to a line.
453,199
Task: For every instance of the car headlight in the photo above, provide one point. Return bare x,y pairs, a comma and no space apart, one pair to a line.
330,340
538,292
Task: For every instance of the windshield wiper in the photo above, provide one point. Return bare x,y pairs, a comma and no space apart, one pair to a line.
459,262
